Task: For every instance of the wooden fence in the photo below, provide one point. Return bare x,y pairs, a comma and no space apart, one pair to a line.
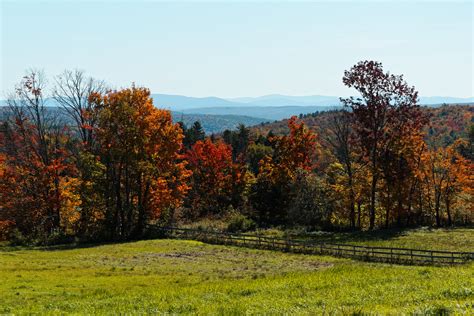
366,253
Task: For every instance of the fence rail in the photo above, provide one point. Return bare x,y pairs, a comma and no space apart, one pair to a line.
366,253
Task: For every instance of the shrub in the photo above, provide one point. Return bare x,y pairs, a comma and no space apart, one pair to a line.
310,203
7,228
240,223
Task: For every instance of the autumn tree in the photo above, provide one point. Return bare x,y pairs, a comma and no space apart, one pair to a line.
386,111
216,182
446,174
291,154
140,149
255,153
398,170
35,162
311,202
340,138
72,91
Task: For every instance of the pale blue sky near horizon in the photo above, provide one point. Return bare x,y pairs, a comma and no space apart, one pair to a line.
236,49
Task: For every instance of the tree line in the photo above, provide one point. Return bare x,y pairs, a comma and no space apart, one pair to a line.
120,163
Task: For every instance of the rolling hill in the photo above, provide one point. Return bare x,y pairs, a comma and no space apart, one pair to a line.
447,123
210,123
269,113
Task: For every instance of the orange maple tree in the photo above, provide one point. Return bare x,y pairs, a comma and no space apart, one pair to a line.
140,149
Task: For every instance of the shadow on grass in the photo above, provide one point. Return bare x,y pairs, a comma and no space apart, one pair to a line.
319,236
61,247
370,236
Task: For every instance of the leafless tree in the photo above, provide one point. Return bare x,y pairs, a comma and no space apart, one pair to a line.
28,103
72,91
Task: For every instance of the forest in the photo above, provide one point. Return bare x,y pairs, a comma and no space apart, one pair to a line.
382,161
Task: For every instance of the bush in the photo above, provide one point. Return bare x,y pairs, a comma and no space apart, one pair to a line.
6,229
240,223
16,238
56,238
310,204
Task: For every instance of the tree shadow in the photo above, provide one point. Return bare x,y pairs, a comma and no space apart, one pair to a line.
355,236
61,247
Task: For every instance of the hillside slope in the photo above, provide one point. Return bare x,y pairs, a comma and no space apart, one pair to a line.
447,123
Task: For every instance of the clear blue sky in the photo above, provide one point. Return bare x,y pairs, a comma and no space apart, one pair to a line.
241,48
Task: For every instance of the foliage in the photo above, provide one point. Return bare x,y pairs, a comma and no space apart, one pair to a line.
238,222
255,153
34,162
193,134
216,181
238,140
140,148
397,190
311,204
105,164
6,229
446,173
291,154
386,114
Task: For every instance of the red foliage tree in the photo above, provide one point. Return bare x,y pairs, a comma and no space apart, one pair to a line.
386,113
216,180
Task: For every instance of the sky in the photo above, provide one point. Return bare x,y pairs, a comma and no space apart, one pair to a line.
236,49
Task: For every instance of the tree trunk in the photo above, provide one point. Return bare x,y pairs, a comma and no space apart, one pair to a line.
399,209
118,201
372,203
448,210
351,193
353,224
358,214
437,202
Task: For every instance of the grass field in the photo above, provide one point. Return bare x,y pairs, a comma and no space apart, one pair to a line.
450,239
175,276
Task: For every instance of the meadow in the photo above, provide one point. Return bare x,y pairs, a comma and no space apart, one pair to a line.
449,239
189,277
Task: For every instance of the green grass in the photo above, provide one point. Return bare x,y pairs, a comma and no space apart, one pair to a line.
187,277
450,239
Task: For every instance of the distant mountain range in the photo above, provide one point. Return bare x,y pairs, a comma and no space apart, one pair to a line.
184,103
210,123
217,114
179,102
269,107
